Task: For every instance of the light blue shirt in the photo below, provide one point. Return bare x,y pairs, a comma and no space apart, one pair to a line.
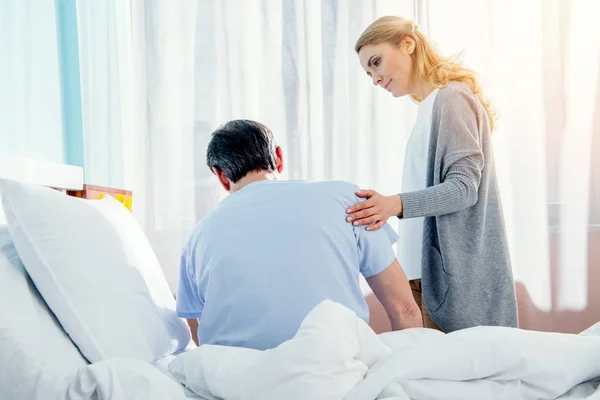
257,265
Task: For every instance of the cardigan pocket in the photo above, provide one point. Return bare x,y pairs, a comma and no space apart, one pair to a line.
435,280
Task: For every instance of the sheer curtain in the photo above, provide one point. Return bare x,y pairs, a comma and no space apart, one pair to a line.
104,33
288,64
291,65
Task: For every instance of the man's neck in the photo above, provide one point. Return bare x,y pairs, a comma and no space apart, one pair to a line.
252,177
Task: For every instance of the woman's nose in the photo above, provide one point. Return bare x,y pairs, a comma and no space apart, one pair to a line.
376,80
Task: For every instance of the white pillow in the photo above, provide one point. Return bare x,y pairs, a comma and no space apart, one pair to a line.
37,358
329,355
141,256
88,276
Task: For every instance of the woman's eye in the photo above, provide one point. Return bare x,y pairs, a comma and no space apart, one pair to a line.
376,62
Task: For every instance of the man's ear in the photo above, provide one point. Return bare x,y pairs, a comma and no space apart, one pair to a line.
279,159
223,179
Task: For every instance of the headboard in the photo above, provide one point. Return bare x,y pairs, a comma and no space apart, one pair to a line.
54,175
63,177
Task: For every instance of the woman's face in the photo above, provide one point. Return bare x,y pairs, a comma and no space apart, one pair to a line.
390,67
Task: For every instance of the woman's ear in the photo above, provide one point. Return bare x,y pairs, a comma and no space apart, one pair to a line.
408,45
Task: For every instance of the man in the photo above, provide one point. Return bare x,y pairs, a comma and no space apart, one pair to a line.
272,250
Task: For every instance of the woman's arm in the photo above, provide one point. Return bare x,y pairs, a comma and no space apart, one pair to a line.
457,192
455,117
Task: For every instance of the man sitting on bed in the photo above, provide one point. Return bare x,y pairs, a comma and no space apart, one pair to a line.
272,250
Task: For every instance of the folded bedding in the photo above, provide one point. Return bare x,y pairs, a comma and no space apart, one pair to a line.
335,355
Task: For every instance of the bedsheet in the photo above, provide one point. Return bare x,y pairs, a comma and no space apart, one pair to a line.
335,355
123,379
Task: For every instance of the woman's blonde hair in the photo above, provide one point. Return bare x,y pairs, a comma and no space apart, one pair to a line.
428,63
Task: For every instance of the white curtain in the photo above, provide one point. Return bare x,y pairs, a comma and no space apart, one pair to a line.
104,31
30,95
540,64
291,64
288,64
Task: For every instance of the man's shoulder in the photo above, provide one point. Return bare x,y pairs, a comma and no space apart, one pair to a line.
339,190
337,187
334,193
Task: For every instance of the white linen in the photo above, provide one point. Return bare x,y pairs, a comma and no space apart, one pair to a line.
477,363
87,275
2,216
123,379
485,363
330,354
36,355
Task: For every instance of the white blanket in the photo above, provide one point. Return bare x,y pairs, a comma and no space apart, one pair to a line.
335,355
121,379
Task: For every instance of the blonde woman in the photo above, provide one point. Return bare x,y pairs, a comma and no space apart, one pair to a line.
453,245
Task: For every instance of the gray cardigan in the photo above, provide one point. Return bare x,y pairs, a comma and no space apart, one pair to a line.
466,272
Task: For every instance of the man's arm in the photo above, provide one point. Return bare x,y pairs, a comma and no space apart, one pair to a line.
193,323
189,303
393,291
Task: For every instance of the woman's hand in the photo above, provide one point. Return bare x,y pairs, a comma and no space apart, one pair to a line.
375,210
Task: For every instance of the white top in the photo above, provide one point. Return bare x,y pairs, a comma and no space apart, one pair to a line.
408,250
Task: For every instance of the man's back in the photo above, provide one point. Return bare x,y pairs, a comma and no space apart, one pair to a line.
269,253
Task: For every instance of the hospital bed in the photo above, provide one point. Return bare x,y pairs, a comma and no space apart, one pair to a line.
86,310
87,314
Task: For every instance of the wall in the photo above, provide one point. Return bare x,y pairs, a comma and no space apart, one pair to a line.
565,321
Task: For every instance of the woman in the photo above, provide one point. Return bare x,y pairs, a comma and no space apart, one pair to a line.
452,245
